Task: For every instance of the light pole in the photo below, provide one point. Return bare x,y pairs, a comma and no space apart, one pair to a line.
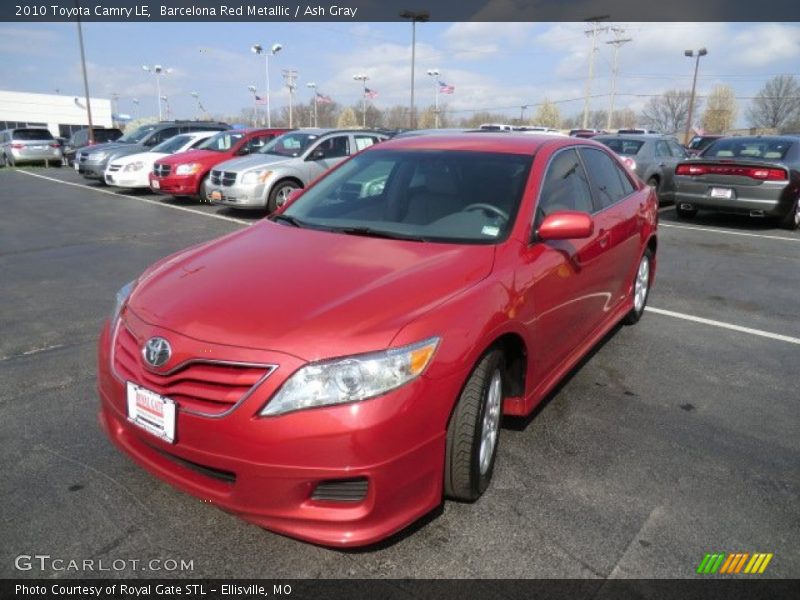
690,54
259,49
165,100
290,76
434,74
252,89
157,70
363,79
421,16
114,108
522,110
313,87
200,108
85,77
136,104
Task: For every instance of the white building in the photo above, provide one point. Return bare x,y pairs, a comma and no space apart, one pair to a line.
60,114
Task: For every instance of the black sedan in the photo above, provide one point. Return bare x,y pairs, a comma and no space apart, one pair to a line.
757,176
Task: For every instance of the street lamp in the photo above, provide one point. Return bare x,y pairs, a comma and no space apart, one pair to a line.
252,89
363,79
136,104
690,54
200,108
313,87
415,17
259,49
522,110
434,73
165,100
157,70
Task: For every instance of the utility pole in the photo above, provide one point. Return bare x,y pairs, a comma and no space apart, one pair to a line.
114,108
690,53
422,16
290,77
616,42
85,76
522,110
593,33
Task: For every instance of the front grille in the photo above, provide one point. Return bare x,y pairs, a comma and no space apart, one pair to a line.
226,178
219,474
341,490
113,168
201,387
83,156
160,170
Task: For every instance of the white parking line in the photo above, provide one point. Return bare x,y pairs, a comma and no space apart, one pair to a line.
723,325
145,200
730,232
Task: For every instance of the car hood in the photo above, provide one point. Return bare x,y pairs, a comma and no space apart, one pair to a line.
308,293
251,161
201,156
145,157
108,146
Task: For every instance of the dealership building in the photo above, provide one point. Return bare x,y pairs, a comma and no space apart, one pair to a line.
59,113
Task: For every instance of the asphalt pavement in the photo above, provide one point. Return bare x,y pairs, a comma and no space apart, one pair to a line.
673,439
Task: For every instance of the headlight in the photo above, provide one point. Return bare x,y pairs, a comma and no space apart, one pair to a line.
352,378
187,169
122,297
98,156
256,177
134,166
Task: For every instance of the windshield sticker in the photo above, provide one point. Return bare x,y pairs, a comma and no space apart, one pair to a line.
490,230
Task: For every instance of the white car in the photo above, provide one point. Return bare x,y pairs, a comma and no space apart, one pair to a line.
132,171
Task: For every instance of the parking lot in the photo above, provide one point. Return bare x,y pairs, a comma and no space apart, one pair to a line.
677,437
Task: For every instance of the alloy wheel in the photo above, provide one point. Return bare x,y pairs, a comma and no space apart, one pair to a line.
491,421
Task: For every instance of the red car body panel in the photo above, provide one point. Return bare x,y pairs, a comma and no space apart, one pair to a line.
328,295
189,185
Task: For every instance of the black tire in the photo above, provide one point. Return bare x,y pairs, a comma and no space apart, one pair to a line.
791,220
653,183
278,192
10,161
685,213
637,311
201,191
3,160
463,479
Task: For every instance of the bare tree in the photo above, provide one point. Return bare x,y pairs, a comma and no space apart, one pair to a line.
668,112
626,118
396,116
721,110
777,104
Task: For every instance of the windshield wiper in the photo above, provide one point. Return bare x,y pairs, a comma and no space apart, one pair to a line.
378,233
287,219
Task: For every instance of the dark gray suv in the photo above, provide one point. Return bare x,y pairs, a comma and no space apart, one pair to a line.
92,161
651,156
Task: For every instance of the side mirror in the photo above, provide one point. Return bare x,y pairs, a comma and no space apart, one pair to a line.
317,154
566,225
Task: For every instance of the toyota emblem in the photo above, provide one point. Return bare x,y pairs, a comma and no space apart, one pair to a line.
156,352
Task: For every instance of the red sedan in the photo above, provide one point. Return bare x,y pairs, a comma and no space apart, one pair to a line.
333,372
186,173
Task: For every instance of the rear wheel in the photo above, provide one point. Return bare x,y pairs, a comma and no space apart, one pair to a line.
473,432
280,194
641,288
791,220
685,213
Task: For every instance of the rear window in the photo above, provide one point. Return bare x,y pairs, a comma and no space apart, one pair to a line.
622,147
32,134
755,148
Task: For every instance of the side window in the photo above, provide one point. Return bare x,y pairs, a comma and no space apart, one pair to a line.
335,147
258,142
565,186
603,177
365,141
160,136
627,186
198,142
662,149
677,149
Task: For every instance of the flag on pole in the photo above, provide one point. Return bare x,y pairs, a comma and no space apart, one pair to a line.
321,99
370,94
260,100
446,89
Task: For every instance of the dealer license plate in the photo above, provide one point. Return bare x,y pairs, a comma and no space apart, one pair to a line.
77,166
152,412
726,193
216,195
155,184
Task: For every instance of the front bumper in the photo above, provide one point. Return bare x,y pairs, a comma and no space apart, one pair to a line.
238,195
121,178
92,170
174,185
266,469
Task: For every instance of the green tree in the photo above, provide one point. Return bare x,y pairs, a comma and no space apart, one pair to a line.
347,118
547,115
721,110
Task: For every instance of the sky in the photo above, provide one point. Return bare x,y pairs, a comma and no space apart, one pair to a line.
493,66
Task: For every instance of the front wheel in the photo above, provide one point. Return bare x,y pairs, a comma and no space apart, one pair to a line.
473,432
791,220
280,194
641,288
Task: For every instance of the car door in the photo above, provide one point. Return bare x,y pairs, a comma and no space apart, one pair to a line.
326,153
616,222
665,161
561,302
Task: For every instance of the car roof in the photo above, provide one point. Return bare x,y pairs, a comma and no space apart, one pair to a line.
634,136
325,131
507,142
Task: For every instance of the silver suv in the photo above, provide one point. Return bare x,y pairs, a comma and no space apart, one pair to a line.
29,144
265,179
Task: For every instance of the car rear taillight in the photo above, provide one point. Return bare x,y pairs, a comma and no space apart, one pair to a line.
56,145
760,173
629,162
18,146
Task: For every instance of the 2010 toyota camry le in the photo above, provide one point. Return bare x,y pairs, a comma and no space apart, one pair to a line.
337,369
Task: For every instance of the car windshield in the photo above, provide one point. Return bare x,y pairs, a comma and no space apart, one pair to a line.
421,195
222,142
173,144
137,135
290,144
33,135
756,148
698,142
106,135
622,146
